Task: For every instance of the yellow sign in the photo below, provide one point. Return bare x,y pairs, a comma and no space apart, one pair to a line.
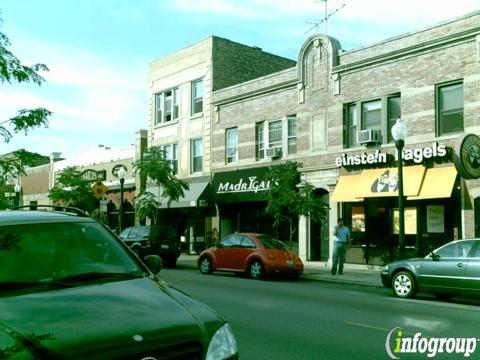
410,223
99,189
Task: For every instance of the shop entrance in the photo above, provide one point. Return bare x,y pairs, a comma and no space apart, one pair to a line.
319,235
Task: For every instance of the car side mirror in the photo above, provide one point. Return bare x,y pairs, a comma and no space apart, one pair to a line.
435,257
154,263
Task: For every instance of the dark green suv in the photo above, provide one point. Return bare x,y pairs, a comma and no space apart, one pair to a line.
70,289
153,239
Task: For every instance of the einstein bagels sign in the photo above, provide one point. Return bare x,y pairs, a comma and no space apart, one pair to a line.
378,157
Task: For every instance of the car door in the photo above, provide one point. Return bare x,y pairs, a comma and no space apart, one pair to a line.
472,276
227,252
446,270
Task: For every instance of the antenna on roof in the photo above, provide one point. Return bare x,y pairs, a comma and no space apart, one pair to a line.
316,24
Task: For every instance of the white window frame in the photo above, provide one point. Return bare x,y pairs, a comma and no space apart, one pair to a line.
192,156
195,98
160,100
234,157
173,150
264,126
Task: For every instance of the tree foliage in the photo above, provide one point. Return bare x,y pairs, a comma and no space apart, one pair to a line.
289,197
147,205
155,166
13,71
70,189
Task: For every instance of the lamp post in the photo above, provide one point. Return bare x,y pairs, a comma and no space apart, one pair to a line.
121,176
17,189
399,133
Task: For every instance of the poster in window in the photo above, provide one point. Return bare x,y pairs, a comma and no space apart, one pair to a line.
410,215
358,219
435,219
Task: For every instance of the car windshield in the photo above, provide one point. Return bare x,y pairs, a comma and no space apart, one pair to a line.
270,243
43,253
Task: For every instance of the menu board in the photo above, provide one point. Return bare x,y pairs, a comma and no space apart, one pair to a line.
435,219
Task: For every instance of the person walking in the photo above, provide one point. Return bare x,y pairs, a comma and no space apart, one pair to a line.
342,243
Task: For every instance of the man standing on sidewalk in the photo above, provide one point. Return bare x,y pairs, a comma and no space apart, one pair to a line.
342,243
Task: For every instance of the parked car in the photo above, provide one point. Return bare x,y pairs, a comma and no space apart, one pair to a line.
451,269
70,289
153,239
255,254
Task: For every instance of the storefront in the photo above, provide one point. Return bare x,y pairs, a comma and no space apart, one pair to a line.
367,194
241,197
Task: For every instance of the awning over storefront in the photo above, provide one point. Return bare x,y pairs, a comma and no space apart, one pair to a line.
437,183
196,196
384,182
418,183
347,189
241,185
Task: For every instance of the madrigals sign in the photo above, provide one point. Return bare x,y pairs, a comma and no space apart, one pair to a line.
250,185
417,155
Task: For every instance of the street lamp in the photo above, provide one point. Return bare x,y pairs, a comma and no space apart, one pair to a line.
399,133
121,175
17,189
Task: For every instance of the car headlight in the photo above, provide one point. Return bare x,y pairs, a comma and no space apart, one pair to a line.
385,268
222,345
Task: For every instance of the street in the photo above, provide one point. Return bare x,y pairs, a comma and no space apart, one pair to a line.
306,319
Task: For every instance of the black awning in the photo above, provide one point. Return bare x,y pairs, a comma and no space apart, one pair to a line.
241,185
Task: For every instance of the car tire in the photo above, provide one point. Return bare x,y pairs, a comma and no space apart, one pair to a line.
404,284
255,269
205,265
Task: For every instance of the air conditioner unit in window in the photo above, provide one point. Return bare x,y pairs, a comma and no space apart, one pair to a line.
369,136
274,152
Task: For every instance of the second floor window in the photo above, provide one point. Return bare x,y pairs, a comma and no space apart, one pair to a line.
196,155
292,134
231,146
166,106
450,108
197,97
280,134
171,155
377,115
275,134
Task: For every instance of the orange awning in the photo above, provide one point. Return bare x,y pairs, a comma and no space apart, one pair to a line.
347,189
437,183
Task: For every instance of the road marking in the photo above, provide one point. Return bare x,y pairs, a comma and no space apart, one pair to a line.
373,327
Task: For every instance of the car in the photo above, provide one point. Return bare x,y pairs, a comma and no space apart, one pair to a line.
453,268
254,254
70,289
153,239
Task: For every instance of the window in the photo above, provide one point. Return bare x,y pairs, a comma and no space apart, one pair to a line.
166,106
232,241
275,134
378,115
394,113
455,250
450,108
171,155
246,242
197,97
197,155
231,148
260,140
292,134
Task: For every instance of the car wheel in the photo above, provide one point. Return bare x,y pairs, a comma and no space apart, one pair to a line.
255,269
404,285
205,265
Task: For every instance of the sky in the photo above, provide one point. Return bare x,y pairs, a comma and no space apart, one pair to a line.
98,51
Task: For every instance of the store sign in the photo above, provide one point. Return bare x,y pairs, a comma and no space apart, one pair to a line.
378,157
93,175
251,184
116,168
435,219
467,156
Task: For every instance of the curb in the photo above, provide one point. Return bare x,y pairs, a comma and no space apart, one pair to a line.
316,277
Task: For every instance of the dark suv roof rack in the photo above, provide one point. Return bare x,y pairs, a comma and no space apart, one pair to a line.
57,208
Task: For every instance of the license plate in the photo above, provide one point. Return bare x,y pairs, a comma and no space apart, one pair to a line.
163,246
289,263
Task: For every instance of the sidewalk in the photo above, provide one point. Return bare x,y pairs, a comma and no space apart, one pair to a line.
318,272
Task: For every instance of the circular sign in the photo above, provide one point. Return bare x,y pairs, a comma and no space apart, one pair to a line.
118,167
467,156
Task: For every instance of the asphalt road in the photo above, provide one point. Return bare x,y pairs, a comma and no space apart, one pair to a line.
306,319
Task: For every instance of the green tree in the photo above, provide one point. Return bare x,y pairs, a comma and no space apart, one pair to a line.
13,71
70,189
289,197
155,166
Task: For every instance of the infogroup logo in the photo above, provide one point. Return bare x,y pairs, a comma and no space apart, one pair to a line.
397,343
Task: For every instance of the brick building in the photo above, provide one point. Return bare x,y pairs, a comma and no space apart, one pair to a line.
333,113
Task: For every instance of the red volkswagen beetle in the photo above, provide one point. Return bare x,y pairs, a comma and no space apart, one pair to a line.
255,254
